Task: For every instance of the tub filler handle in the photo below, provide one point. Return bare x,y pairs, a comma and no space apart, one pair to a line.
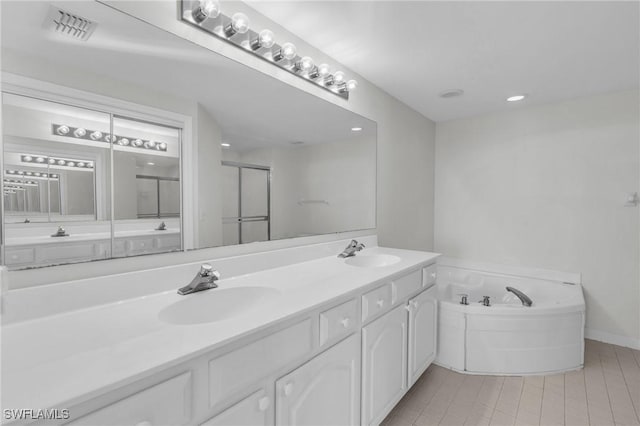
485,301
464,298
526,301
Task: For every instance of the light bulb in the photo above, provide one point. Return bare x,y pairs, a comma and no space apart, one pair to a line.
338,77
138,142
110,138
79,132
27,158
90,165
54,176
40,160
63,130
52,161
240,23
61,162
305,64
324,70
352,85
71,164
287,51
162,146
36,174
150,144
80,164
96,135
265,39
123,141
11,172
206,9
29,174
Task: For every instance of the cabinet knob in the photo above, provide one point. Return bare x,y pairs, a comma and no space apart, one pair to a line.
263,403
380,302
288,389
144,423
345,322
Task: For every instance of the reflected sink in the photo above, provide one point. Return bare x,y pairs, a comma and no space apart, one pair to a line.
372,260
217,304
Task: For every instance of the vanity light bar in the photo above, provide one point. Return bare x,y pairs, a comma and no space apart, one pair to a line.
31,174
98,136
53,161
206,15
9,182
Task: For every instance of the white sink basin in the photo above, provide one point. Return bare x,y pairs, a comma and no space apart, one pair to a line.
372,260
217,304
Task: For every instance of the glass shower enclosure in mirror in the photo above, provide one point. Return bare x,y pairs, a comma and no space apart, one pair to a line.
66,175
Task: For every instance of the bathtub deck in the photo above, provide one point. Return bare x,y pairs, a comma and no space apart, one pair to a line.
605,392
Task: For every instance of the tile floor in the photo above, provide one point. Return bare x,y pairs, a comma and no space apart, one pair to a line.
605,392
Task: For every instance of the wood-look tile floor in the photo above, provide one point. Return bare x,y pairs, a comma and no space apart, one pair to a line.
605,392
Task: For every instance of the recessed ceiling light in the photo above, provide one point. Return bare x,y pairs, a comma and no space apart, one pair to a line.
516,98
356,129
151,164
226,145
451,93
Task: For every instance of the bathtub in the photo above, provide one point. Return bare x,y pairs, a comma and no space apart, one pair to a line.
507,338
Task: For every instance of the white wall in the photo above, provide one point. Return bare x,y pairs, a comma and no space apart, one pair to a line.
545,187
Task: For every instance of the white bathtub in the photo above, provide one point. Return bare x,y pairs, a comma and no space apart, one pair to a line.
508,338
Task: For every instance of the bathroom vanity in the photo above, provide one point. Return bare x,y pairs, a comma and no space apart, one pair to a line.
324,341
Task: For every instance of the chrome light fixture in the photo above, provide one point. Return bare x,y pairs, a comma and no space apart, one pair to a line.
207,15
98,136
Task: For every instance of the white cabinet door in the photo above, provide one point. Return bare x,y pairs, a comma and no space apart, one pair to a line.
384,368
324,391
254,410
422,332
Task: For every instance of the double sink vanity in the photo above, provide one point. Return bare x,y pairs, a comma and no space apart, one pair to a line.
327,340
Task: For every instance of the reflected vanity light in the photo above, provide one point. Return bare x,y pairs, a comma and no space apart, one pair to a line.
207,15
41,160
19,173
98,136
225,145
356,129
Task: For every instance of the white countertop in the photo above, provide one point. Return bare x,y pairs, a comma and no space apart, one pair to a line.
62,360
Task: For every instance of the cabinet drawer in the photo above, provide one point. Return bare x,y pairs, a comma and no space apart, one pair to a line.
167,403
338,321
239,369
409,284
20,256
255,410
376,301
429,275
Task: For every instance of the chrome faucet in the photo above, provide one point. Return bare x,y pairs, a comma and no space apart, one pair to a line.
526,301
60,232
351,249
485,301
204,280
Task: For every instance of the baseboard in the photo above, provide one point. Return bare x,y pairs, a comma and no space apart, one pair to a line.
614,339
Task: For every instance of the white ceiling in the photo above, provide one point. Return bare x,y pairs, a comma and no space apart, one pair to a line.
414,50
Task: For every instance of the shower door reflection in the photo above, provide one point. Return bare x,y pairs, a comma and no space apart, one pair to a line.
246,203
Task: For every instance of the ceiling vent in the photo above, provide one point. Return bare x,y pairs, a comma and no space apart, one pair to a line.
68,24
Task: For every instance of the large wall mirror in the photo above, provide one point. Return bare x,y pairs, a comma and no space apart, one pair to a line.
261,160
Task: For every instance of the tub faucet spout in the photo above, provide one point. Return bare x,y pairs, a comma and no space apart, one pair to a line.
526,301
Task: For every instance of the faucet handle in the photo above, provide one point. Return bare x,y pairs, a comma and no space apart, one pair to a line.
206,270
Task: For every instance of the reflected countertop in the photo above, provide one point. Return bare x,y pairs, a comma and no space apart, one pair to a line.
67,359
89,236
